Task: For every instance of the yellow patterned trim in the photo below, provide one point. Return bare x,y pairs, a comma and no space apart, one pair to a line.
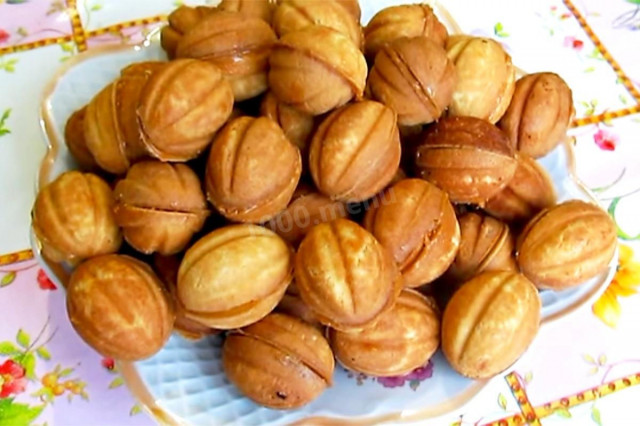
605,116
79,36
35,44
523,400
127,24
628,84
20,256
85,35
589,395
565,403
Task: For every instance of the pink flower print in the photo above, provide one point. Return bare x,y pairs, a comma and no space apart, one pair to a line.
391,382
573,43
416,376
44,282
12,378
4,36
108,363
421,373
605,140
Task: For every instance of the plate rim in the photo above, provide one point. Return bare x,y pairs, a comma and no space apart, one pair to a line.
129,371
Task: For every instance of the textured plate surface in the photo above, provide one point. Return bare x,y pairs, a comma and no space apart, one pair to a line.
184,383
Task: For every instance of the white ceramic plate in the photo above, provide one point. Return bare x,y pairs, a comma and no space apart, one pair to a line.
184,383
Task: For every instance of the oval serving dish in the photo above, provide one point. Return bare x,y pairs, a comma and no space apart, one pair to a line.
185,384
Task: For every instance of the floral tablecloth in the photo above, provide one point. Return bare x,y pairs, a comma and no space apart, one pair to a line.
583,369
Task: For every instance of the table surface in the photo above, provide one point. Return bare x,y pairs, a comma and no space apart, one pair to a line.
580,370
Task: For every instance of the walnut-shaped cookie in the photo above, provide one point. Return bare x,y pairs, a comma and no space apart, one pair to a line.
237,44
280,362
234,276
181,108
181,20
119,307
416,223
489,322
469,158
355,152
294,15
102,132
567,244
529,191
539,114
76,143
316,70
73,218
486,77
486,244
407,20
252,170
111,129
129,86
403,339
159,206
345,276
414,77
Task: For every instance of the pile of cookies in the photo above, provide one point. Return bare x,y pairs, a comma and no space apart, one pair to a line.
318,190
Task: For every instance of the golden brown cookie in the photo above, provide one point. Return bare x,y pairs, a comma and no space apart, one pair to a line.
252,170
234,276
119,307
73,218
345,276
402,340
279,362
355,152
316,70
159,206
566,244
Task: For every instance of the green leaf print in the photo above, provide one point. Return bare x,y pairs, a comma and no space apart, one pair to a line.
595,415
3,131
8,348
66,372
621,234
43,353
23,338
117,382
563,412
8,278
502,401
67,47
596,54
528,377
29,363
8,65
136,409
498,29
14,414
